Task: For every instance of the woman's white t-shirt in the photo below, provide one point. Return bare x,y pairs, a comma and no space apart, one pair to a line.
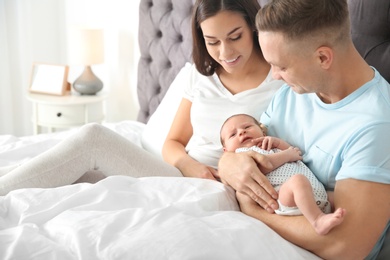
212,104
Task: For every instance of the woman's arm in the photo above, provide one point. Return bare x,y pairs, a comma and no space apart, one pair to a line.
174,147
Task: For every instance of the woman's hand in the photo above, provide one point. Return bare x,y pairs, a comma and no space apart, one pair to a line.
241,172
191,168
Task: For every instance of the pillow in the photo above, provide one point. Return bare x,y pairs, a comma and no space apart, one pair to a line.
159,124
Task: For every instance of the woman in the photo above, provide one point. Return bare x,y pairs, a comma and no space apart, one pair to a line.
231,77
236,75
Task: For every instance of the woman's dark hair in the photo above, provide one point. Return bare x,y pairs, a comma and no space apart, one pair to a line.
205,9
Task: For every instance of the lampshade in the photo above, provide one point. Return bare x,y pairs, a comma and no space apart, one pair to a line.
86,46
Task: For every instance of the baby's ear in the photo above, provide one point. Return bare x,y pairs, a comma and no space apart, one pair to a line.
263,128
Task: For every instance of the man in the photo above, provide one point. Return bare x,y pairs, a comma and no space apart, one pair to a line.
336,109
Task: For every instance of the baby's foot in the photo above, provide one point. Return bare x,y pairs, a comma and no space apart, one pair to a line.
325,222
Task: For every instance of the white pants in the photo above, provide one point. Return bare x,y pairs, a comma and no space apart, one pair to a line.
93,147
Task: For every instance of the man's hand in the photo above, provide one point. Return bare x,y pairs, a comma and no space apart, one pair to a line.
241,171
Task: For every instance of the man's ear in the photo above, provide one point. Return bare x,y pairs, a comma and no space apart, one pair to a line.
325,56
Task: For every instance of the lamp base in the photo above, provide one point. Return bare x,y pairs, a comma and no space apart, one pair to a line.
88,83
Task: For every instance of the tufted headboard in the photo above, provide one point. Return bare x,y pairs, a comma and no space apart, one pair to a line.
165,43
370,22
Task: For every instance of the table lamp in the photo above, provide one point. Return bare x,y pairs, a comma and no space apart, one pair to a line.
87,48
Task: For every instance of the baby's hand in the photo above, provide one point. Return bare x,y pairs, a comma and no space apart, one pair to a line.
258,141
266,142
294,153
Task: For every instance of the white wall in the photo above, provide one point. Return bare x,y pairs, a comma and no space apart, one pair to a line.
119,19
37,31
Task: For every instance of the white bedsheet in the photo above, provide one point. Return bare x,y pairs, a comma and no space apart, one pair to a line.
127,218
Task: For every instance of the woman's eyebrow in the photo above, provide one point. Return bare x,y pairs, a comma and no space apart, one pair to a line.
231,32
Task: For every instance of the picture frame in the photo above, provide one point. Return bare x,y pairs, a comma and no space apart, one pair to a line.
49,79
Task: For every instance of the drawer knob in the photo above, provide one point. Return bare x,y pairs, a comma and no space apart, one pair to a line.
59,114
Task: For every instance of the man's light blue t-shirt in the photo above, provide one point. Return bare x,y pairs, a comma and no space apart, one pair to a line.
347,139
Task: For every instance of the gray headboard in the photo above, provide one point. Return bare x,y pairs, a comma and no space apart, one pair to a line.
370,22
165,43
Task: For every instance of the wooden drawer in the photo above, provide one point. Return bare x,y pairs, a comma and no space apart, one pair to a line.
64,116
62,112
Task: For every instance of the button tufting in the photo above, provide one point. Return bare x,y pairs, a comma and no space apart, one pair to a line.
157,90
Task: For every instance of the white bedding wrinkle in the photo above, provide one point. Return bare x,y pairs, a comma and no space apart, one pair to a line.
128,218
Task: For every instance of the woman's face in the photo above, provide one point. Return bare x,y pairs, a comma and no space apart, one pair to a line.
228,39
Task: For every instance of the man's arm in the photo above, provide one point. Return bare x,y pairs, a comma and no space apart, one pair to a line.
368,212
241,172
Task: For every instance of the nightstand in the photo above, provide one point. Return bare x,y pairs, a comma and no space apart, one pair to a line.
65,111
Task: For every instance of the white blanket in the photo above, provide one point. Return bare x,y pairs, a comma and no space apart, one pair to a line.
127,218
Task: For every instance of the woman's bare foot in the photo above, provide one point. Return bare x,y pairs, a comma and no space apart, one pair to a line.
325,222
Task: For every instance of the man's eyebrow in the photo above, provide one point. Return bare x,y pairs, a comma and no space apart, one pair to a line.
231,32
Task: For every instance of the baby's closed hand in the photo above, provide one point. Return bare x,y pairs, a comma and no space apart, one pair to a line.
294,153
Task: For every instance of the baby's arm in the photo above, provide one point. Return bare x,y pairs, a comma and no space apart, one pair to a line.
291,154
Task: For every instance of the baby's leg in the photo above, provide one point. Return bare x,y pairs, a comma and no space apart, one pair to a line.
297,191
94,147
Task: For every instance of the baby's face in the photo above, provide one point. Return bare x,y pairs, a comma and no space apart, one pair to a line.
239,131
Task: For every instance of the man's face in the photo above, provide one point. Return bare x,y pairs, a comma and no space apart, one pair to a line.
290,62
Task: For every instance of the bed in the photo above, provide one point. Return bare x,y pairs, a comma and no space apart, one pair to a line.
155,217
122,217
